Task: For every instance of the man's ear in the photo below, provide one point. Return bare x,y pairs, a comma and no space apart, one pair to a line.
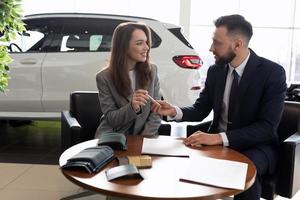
238,44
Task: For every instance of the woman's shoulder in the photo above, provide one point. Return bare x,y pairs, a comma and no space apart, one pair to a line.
103,74
153,67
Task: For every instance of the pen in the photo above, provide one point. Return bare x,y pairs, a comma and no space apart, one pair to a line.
151,99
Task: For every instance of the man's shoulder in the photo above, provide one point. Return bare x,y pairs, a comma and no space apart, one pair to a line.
265,61
270,70
270,65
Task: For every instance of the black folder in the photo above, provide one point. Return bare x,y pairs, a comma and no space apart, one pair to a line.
90,159
116,141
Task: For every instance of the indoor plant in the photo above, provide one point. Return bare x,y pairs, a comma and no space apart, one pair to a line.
10,24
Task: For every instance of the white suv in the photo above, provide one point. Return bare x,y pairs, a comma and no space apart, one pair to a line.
61,53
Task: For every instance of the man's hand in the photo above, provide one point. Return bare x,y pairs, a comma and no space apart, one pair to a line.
163,108
200,138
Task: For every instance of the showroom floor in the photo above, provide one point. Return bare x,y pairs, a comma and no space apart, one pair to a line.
28,163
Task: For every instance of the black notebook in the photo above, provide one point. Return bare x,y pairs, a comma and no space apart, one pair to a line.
116,141
90,159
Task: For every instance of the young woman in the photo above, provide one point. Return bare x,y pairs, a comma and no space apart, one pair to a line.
128,83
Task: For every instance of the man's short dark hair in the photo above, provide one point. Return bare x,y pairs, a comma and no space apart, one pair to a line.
235,24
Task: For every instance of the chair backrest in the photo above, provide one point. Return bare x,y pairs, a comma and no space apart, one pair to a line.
85,107
290,120
288,181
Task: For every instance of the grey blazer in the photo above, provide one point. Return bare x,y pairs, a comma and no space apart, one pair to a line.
118,114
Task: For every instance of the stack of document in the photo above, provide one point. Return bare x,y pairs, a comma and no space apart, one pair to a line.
199,169
167,146
216,172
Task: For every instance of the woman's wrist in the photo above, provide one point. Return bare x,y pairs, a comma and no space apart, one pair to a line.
136,109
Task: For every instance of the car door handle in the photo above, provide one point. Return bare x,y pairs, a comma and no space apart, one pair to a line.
28,61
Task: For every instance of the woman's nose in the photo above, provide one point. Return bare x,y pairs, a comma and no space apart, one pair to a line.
146,46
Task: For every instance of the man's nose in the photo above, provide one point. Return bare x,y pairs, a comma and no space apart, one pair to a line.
211,49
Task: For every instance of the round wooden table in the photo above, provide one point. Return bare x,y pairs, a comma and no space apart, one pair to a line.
162,180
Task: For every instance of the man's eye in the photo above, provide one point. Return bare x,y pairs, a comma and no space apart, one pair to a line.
217,43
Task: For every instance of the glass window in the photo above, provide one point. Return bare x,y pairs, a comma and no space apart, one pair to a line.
201,39
273,44
85,42
25,42
36,38
32,39
275,34
95,41
297,14
260,13
296,68
178,33
69,34
86,34
205,12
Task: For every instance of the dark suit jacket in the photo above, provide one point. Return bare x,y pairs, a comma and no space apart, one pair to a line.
260,102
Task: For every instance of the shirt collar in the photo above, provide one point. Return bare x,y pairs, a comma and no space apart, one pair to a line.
241,67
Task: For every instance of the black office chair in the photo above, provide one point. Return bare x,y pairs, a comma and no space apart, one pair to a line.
80,122
293,93
286,181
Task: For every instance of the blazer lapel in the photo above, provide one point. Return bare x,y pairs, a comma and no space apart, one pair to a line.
219,89
248,74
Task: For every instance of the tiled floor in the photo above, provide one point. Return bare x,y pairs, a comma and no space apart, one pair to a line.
28,164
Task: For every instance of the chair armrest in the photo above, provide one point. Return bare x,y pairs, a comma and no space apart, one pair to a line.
293,139
70,130
289,167
190,129
164,129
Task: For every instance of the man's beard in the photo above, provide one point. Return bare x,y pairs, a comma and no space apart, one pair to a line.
223,60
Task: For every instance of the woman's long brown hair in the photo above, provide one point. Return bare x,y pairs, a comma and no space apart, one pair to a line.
118,67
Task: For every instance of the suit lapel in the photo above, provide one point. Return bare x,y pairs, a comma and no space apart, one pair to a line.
248,74
220,87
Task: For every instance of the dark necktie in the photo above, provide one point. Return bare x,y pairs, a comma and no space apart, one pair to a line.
232,99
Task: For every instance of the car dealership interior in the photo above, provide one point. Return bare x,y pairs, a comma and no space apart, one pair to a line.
39,130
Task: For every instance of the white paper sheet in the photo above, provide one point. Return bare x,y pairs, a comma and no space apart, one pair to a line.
216,172
168,146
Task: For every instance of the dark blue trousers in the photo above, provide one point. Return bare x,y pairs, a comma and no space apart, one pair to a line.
265,162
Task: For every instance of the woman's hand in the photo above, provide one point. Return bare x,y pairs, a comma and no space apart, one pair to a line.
139,99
